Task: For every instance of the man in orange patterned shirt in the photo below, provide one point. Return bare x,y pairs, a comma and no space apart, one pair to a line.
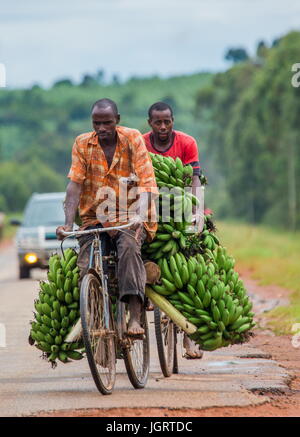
109,165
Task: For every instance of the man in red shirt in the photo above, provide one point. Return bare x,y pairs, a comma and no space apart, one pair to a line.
166,141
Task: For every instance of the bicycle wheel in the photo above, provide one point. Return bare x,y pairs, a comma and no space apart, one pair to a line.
136,352
99,342
165,332
175,361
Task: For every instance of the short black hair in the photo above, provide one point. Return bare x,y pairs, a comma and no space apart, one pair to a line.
104,103
159,106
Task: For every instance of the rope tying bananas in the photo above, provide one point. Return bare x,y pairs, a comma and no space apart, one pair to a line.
57,310
197,274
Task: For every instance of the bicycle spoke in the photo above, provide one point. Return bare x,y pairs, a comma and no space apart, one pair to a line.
101,340
136,356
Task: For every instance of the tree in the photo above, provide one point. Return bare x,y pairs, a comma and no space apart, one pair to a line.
236,55
261,50
252,131
99,77
276,42
63,82
88,81
115,80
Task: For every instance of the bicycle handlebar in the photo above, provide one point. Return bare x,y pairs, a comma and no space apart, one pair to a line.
97,230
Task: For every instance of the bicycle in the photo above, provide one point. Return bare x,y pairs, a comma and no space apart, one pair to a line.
166,340
104,333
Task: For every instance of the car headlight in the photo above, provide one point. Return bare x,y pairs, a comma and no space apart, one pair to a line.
30,258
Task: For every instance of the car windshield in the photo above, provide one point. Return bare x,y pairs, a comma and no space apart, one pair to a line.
44,213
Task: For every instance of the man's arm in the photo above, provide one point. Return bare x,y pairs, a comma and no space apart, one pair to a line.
148,190
71,204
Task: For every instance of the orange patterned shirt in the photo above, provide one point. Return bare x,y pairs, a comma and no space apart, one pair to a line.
109,195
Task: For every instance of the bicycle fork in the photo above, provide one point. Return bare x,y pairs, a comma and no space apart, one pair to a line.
96,254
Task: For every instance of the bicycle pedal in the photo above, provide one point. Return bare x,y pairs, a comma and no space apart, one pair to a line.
135,336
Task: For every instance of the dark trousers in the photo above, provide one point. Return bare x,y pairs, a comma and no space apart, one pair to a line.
131,270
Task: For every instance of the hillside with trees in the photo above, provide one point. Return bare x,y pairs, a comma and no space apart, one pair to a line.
251,124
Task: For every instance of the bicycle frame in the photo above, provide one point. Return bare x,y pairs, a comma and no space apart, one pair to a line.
96,266
137,368
96,255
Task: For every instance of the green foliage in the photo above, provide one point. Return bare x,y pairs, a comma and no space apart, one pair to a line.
17,182
252,132
235,55
272,258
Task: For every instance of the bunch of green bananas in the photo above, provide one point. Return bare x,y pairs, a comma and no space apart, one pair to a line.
57,310
207,291
171,172
174,205
197,275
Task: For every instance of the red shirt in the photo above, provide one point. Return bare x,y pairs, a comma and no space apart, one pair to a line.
183,146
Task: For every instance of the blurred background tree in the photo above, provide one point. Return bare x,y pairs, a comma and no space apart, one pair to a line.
235,55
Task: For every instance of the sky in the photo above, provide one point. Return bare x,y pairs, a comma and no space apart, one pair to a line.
41,42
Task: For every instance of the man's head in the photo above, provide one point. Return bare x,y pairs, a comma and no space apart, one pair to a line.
161,120
105,117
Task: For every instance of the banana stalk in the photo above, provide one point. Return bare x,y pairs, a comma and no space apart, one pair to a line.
170,311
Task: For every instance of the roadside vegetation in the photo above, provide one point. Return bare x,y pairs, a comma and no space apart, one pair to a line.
271,256
9,230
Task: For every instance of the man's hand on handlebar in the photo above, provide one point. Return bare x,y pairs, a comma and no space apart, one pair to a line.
136,221
61,229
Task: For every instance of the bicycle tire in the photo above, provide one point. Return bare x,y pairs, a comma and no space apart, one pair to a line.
137,353
100,349
175,360
165,341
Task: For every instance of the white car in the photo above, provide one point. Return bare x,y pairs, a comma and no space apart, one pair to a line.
36,238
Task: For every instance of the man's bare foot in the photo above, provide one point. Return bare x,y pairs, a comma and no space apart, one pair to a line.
134,328
192,349
135,309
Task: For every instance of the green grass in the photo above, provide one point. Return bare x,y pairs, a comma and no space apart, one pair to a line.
272,258
10,230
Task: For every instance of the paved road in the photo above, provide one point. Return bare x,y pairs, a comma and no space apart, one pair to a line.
226,377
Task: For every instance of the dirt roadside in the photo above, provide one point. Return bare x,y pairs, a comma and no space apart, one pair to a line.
278,348
5,243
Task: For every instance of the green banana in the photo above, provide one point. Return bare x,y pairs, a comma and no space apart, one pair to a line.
168,285
206,299
177,280
185,298
166,273
161,290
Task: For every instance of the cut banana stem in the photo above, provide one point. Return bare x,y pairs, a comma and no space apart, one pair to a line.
170,311
75,334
